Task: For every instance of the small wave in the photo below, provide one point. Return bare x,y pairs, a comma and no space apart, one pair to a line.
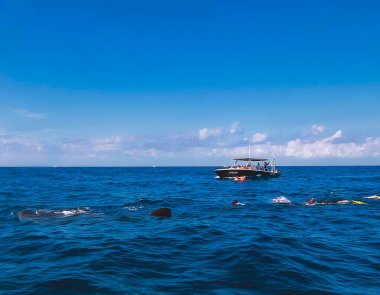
115,183
133,208
140,203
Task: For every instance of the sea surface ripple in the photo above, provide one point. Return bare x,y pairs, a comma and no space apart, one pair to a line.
87,230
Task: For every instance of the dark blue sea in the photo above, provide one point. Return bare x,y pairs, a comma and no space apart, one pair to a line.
87,231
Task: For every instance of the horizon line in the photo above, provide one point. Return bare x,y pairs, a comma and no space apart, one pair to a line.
172,166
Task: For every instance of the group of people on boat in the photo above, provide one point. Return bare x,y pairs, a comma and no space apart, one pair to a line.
249,167
259,167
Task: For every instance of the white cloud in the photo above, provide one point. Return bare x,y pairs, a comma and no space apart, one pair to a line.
98,145
299,149
336,135
317,129
22,150
235,127
205,133
327,148
259,137
29,114
152,153
109,144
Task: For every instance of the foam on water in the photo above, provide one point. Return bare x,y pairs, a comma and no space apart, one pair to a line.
133,208
281,200
72,212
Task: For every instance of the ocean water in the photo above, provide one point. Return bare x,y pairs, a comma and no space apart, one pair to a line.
87,230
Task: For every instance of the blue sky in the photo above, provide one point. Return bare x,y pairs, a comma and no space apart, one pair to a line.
185,82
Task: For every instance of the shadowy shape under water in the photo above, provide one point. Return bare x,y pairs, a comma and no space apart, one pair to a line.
162,212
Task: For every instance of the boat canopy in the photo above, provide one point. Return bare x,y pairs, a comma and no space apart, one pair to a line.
250,159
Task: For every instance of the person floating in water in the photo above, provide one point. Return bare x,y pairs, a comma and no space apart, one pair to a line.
311,202
375,197
324,202
236,203
239,178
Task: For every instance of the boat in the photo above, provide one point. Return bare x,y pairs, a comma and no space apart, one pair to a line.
249,168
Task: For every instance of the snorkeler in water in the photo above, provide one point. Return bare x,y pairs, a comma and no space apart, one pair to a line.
311,202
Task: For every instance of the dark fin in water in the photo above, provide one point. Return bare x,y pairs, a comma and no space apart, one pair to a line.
235,202
162,212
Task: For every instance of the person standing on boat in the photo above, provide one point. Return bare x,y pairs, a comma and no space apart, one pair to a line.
258,167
